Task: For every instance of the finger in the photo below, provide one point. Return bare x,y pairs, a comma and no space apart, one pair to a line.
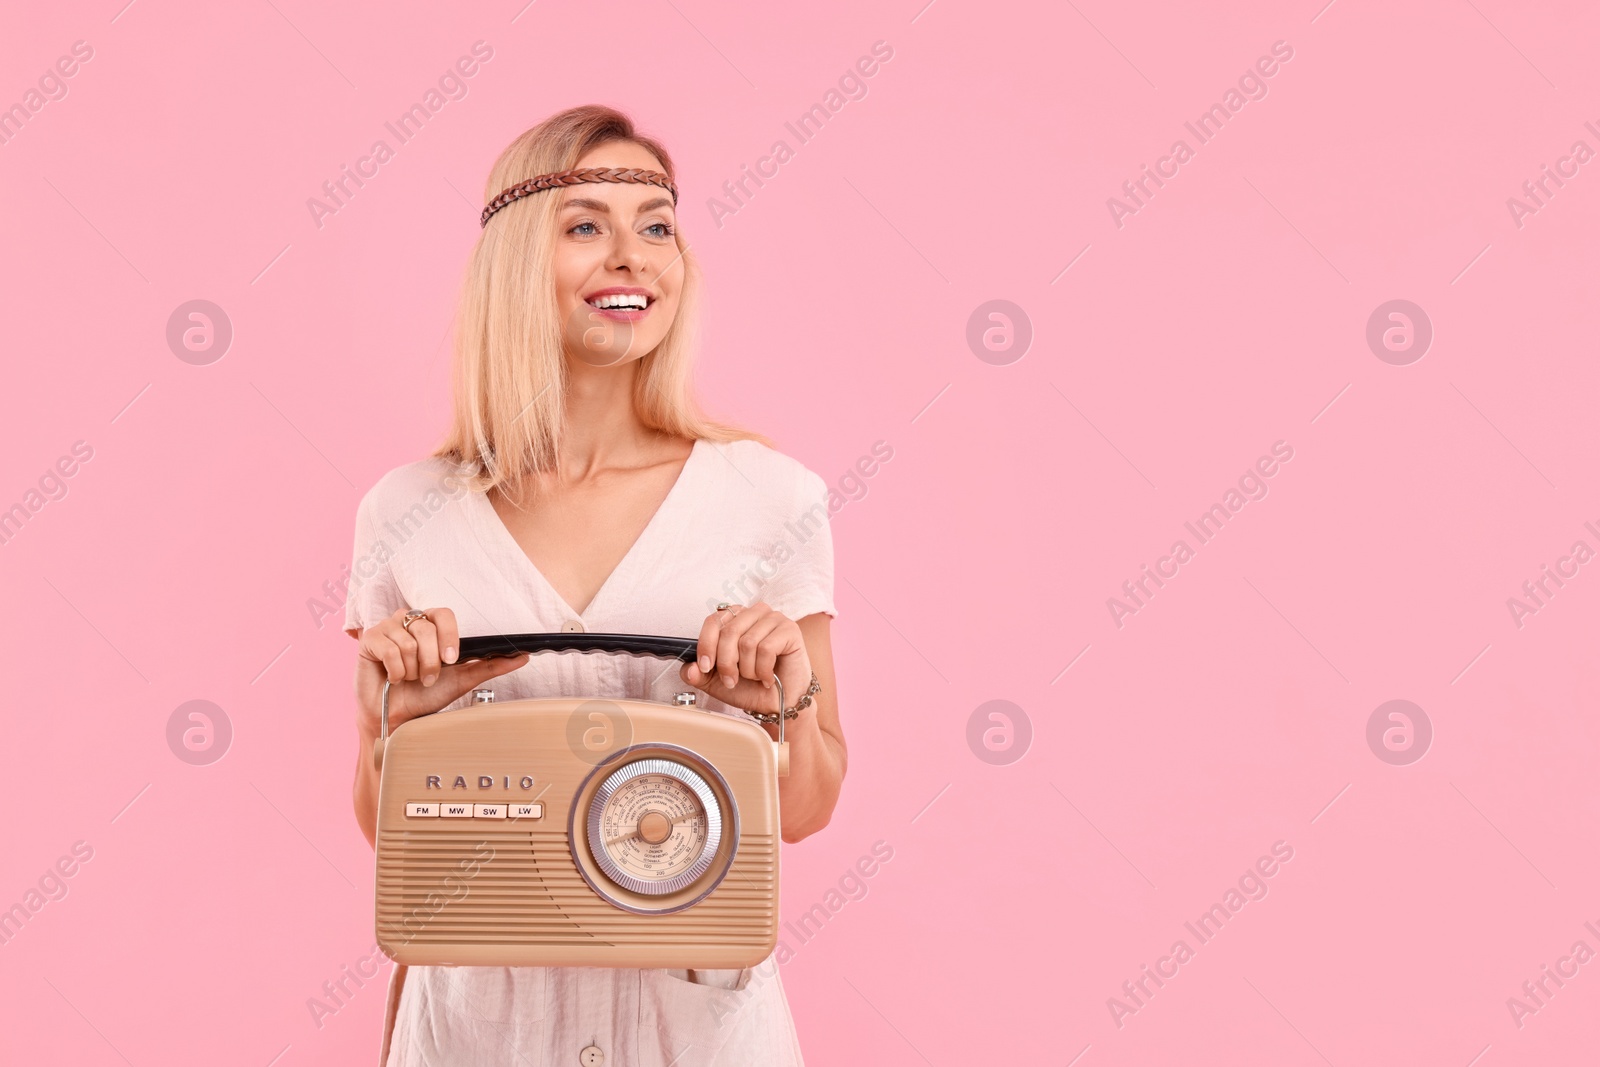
453,683
407,646
691,673
772,646
728,644
444,621
468,676
750,646
506,664
426,636
706,649
376,646
744,694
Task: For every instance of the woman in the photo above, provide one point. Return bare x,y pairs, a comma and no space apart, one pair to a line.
580,489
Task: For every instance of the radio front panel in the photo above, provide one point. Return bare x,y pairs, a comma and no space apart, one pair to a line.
575,832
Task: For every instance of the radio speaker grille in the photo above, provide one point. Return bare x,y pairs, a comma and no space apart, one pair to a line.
521,888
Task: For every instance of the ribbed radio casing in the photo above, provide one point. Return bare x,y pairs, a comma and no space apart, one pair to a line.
510,893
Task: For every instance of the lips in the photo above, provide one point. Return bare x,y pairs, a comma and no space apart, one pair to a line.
621,303
621,298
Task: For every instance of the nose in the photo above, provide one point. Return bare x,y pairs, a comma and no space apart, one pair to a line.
627,252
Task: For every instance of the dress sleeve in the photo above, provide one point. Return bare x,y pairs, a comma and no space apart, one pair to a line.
373,593
804,582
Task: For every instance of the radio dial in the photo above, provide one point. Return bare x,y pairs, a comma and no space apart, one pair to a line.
654,826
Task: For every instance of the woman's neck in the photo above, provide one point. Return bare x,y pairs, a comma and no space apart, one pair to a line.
602,429
603,432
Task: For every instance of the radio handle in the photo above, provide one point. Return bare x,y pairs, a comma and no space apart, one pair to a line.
500,646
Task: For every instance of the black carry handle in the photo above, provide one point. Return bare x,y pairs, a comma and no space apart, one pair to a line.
500,646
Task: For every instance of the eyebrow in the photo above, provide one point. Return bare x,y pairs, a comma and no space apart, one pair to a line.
590,204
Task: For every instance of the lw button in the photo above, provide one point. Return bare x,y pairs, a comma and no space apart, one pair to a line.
573,626
592,1057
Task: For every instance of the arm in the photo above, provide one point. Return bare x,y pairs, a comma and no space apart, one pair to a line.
817,757
364,793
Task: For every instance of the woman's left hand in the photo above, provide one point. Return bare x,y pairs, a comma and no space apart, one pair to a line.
740,650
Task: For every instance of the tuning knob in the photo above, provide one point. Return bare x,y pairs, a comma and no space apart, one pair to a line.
483,696
684,700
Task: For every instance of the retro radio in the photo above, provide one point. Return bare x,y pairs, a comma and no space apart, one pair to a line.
578,832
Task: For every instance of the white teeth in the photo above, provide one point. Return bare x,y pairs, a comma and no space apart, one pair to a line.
620,300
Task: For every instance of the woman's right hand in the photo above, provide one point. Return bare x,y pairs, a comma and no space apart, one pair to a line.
421,667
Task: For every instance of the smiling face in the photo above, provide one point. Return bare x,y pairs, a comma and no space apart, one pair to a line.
618,271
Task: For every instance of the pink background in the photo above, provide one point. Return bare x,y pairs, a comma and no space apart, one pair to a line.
1227,314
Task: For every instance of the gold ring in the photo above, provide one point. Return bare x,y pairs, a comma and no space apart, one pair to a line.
411,617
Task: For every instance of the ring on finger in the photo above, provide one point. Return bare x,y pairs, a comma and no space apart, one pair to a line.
411,617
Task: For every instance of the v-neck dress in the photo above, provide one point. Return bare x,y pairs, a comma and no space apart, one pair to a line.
742,523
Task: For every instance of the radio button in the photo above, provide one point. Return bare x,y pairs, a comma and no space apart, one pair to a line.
456,811
527,811
422,811
488,811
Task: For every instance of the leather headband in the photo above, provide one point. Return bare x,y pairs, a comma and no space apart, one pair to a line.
565,178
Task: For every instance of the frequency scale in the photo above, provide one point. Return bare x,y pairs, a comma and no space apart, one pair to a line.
578,831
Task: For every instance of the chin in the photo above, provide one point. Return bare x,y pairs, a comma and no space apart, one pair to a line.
593,358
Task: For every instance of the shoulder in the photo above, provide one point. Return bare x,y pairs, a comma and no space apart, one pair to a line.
427,483
775,476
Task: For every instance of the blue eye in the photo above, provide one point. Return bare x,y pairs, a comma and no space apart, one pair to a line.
661,226
580,226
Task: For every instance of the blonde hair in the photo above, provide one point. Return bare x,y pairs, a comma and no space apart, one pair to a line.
510,366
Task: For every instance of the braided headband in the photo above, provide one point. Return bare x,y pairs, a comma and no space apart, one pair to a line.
576,177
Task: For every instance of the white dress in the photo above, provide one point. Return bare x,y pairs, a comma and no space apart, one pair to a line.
743,523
